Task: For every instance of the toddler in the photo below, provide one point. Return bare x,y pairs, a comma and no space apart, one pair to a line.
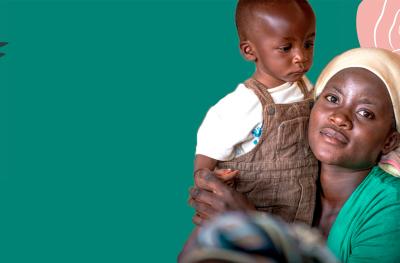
260,129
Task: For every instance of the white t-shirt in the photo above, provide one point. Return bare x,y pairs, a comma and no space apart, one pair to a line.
233,126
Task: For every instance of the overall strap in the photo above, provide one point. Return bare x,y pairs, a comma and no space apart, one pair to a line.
303,87
260,90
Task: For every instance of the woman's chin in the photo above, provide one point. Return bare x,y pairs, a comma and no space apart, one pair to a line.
329,158
343,161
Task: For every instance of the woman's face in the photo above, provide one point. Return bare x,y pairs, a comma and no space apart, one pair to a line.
351,122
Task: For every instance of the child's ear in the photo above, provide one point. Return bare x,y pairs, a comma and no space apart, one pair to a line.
246,48
392,142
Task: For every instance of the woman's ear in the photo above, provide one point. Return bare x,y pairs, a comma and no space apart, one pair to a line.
392,142
247,50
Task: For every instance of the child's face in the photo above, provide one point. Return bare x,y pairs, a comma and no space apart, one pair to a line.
351,122
281,38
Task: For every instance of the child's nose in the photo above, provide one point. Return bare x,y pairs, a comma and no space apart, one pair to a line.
341,120
300,56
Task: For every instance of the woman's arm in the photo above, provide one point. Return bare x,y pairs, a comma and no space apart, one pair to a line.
211,197
190,243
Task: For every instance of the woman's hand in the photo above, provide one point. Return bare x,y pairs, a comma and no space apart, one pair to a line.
211,197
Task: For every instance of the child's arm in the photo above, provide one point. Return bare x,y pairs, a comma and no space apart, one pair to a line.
228,123
204,162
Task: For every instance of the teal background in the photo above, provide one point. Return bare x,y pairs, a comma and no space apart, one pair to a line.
100,102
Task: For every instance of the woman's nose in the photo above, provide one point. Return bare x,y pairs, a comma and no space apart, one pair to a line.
341,120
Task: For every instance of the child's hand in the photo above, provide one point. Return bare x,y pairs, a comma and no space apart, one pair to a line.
226,175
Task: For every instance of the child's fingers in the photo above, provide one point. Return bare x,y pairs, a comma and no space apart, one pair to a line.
226,174
222,172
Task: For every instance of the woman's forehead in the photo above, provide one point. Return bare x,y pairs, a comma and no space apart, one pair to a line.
357,72
360,76
362,81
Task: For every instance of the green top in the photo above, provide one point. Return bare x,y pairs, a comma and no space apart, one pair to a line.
367,228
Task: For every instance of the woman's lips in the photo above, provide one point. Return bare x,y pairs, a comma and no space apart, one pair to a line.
334,136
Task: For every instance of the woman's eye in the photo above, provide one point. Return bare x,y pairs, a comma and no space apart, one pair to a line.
366,114
285,48
332,98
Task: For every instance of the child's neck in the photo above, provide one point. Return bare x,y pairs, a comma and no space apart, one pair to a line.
267,80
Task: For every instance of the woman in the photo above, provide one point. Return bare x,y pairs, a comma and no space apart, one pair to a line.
354,122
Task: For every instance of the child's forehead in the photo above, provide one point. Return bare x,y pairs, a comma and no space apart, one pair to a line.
290,12
284,9
253,14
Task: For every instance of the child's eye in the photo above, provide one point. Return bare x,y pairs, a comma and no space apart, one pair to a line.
309,44
285,48
366,114
331,98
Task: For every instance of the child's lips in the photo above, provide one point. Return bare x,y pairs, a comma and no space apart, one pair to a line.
301,72
334,136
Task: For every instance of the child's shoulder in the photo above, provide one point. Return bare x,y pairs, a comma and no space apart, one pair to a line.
241,99
240,94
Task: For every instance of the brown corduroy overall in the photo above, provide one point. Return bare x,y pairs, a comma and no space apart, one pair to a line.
279,175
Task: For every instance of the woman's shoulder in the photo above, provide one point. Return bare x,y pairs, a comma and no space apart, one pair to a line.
385,183
376,197
378,224
379,198
369,219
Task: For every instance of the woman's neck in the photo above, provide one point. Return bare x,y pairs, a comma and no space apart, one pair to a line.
336,186
338,183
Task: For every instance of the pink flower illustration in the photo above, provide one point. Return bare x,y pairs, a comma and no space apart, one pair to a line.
378,24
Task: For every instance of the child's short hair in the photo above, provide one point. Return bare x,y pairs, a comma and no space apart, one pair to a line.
244,12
